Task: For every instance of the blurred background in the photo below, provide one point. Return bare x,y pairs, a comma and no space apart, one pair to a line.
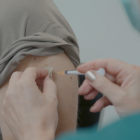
103,30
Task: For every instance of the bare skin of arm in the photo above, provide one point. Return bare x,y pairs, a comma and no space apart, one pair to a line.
67,91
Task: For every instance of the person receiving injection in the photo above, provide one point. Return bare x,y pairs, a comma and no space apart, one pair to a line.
120,87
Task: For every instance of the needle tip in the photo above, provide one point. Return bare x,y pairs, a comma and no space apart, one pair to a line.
61,73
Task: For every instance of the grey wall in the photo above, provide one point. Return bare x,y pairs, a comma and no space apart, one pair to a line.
103,30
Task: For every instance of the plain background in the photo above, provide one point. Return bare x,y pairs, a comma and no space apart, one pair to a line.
103,30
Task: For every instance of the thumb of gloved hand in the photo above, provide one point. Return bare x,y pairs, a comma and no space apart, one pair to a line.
105,86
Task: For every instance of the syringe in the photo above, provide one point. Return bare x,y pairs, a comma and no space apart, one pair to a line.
101,71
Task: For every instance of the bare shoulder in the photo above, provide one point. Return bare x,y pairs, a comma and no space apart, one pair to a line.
58,62
67,90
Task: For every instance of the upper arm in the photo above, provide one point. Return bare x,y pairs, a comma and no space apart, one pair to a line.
67,88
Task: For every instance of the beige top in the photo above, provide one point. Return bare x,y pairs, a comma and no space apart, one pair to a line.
32,27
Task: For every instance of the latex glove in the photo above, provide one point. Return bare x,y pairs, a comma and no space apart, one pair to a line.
120,86
30,113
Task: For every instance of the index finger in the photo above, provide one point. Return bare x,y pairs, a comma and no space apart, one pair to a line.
111,66
34,73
